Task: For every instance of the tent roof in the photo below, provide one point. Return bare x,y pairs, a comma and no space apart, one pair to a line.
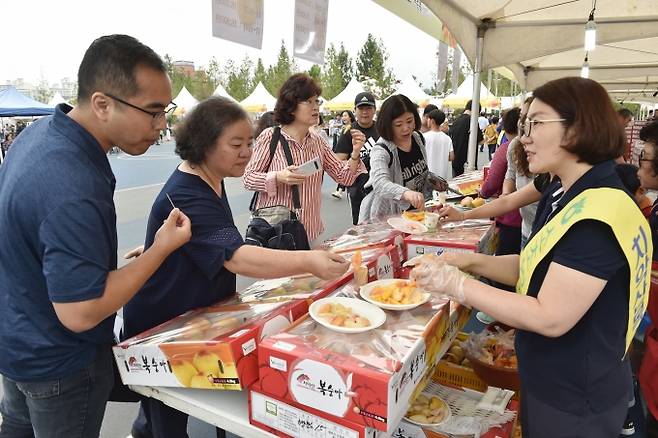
554,31
57,99
15,104
410,88
259,101
465,93
465,89
345,99
184,101
221,91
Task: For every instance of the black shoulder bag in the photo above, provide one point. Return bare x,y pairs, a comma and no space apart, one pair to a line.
277,227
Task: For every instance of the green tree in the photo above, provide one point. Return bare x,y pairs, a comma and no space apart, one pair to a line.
238,78
336,72
316,73
278,73
371,63
214,72
201,84
43,93
260,74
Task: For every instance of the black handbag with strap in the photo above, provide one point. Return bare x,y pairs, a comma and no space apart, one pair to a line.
277,227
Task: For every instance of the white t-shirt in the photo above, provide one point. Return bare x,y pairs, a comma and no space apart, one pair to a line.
439,146
483,122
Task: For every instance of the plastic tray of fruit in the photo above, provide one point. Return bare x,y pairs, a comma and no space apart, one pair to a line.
382,348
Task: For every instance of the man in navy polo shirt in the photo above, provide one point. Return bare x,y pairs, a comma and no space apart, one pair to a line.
59,282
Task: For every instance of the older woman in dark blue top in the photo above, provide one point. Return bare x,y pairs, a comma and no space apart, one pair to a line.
214,142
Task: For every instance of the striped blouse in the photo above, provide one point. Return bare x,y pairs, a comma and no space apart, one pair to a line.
258,178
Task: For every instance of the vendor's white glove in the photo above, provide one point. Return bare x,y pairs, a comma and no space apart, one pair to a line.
436,276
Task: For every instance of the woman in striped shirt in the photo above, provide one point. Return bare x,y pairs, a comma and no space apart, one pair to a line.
297,110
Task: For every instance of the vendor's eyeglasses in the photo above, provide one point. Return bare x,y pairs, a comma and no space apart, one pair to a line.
643,158
157,116
526,127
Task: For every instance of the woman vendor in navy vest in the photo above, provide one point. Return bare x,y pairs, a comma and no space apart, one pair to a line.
582,280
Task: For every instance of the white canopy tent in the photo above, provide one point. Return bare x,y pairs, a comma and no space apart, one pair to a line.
540,40
410,88
345,99
221,91
57,99
259,101
465,93
184,102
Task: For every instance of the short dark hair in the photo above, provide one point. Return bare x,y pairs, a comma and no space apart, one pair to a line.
392,108
649,134
494,120
265,121
438,116
295,89
511,120
468,105
109,66
588,112
429,108
628,175
201,128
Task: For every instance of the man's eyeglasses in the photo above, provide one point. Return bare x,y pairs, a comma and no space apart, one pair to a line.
157,116
526,127
311,102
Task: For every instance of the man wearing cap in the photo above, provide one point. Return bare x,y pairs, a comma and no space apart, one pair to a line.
364,111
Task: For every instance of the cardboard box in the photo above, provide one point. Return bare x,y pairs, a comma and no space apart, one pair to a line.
365,378
291,420
210,348
382,262
467,236
365,237
467,183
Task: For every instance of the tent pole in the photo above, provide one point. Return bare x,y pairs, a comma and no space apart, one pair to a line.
475,108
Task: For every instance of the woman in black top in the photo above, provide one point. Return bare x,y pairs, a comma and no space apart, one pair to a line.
572,321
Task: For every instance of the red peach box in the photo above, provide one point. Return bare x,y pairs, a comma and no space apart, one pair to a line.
211,348
366,378
291,420
465,236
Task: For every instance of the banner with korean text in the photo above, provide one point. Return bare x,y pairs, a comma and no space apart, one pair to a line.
310,29
240,21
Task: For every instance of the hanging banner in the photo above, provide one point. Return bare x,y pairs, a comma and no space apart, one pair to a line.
447,37
442,67
310,29
456,67
240,21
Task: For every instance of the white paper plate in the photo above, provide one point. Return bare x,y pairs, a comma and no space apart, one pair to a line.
407,226
375,315
447,417
367,289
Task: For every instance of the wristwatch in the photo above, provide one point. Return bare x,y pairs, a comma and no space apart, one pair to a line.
355,159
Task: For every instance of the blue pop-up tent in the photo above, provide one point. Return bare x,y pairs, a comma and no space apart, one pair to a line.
15,104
